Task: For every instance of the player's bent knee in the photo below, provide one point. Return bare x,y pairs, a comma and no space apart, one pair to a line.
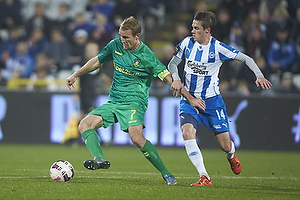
90,122
82,126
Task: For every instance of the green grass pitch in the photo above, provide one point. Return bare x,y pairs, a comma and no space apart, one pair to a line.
24,174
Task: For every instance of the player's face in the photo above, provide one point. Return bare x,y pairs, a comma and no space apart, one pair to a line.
199,34
129,41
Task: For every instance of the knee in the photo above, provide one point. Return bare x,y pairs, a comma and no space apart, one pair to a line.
82,126
187,135
188,132
90,122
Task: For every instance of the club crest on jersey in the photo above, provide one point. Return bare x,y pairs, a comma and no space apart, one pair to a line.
211,54
136,63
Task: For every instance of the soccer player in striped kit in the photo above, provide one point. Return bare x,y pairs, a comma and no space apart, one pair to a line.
204,56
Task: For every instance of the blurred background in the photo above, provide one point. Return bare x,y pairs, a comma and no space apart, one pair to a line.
42,42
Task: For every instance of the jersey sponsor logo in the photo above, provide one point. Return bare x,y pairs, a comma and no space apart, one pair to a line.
126,71
136,63
197,68
118,53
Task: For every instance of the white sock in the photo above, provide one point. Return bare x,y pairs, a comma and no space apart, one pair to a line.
195,156
230,154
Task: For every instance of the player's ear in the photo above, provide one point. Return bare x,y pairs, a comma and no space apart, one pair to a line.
137,36
208,30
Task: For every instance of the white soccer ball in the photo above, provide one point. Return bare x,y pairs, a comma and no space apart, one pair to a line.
62,171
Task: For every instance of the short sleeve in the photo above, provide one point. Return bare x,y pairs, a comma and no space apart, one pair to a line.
106,54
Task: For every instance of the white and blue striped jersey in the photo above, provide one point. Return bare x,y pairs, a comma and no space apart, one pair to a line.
202,65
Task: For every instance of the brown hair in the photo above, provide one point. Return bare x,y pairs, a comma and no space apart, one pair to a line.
207,18
131,24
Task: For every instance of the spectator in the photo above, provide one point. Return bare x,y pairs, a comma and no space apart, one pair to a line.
10,13
287,85
279,16
252,21
282,51
292,7
238,71
181,32
103,6
37,42
77,50
158,85
2,80
296,66
9,46
39,20
262,64
242,88
21,65
41,73
64,20
200,5
257,44
267,7
237,36
82,23
239,9
124,9
87,92
295,30
104,30
221,32
57,51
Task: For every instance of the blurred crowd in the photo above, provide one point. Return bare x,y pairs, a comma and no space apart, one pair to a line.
269,32
47,40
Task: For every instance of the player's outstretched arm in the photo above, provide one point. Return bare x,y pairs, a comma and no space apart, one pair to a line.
263,82
90,66
260,81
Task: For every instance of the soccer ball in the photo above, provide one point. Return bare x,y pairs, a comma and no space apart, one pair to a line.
62,171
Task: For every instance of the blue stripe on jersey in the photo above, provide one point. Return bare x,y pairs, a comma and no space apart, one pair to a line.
198,55
193,84
189,49
211,54
229,48
206,83
223,57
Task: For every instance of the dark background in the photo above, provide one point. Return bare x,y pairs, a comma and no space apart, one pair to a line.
264,125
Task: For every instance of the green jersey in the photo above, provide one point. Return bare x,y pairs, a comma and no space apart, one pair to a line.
133,71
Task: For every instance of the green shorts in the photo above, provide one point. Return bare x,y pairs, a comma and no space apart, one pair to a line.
127,114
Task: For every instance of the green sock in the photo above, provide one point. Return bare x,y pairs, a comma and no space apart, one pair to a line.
92,143
151,154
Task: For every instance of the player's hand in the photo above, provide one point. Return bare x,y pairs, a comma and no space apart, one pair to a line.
71,82
198,103
176,87
263,82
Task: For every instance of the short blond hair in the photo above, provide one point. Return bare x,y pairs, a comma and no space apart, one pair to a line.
131,24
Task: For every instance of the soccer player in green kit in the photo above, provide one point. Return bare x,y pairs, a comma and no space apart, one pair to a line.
134,67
